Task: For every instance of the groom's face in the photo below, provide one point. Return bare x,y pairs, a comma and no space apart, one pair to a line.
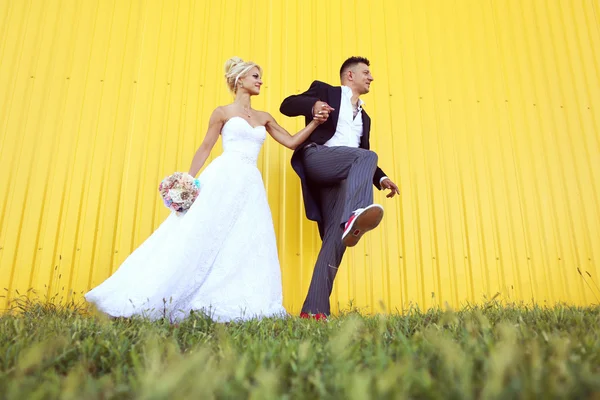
362,78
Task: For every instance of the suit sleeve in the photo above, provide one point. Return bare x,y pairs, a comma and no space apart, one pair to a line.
377,177
301,104
378,172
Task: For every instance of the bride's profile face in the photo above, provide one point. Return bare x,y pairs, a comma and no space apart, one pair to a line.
252,82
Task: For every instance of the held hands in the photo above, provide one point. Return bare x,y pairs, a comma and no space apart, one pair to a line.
321,111
388,184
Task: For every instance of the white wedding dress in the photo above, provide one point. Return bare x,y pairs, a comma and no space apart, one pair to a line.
219,258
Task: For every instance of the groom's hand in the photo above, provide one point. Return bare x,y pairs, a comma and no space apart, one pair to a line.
388,184
321,111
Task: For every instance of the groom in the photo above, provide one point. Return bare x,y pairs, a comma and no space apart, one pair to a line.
336,169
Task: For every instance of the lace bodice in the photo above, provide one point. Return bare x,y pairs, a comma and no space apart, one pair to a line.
241,140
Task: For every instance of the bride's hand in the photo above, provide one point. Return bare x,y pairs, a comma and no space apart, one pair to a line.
320,119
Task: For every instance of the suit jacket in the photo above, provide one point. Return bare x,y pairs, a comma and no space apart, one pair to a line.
301,104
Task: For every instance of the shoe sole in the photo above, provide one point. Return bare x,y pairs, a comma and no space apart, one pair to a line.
365,222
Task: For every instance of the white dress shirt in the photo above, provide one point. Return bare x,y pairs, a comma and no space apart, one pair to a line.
349,128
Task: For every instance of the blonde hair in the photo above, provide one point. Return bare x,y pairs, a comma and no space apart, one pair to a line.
235,69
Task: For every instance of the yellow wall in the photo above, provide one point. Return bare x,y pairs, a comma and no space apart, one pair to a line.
485,113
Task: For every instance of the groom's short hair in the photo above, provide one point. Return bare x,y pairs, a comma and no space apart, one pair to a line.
351,62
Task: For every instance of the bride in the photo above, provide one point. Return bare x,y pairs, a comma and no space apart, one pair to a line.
220,257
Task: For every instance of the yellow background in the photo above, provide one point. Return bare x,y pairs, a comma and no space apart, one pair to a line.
485,113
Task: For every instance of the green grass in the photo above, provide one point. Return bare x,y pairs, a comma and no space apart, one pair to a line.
486,352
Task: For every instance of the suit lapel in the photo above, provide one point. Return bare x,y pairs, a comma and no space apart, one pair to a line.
335,101
366,123
366,129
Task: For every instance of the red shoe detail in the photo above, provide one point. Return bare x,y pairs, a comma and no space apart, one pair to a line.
318,316
352,217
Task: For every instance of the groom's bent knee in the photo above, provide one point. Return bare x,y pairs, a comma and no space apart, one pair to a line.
369,155
370,158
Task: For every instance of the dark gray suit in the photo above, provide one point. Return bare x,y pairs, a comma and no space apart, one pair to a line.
335,182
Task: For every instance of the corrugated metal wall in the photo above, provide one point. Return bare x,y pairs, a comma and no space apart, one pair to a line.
485,113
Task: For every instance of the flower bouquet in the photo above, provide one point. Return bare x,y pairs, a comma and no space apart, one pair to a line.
179,191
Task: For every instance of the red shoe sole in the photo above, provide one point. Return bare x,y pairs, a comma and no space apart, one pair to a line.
365,222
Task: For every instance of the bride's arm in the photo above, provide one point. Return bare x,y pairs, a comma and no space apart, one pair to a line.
282,136
215,123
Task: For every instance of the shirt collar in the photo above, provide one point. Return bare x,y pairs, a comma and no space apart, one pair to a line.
346,91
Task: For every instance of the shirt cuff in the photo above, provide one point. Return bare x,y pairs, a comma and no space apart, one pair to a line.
382,179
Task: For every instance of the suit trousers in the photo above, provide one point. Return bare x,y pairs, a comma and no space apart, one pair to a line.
343,178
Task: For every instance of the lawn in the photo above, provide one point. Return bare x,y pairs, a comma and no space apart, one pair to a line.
489,351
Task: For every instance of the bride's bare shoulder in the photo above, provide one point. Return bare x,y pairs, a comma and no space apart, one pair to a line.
265,117
225,108
219,114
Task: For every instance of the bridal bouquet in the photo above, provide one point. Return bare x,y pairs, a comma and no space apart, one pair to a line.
179,191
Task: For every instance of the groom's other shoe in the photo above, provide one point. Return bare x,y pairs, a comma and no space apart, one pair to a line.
361,221
318,316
